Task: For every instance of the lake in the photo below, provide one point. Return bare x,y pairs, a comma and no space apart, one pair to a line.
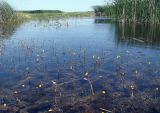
79,65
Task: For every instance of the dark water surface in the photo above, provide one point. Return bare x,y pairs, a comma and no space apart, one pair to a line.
79,65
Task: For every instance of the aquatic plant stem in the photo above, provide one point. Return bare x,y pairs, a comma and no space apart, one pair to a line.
91,86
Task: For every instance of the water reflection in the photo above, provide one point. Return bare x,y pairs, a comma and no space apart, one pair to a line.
103,20
7,31
134,34
147,34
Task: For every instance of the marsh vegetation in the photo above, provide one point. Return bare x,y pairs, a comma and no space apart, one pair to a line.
58,64
58,15
137,11
55,70
8,16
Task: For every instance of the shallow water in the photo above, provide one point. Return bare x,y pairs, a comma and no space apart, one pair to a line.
48,65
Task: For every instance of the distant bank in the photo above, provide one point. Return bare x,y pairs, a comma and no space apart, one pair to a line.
54,14
41,11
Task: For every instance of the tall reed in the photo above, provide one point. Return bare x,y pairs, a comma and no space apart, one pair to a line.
138,11
7,14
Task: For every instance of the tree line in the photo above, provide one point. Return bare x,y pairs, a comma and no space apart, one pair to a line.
41,11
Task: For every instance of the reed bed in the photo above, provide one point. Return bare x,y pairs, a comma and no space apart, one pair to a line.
137,11
8,15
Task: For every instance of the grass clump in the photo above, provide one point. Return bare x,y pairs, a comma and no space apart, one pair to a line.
7,14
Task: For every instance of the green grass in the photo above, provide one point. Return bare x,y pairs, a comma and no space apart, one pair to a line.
57,15
41,11
8,16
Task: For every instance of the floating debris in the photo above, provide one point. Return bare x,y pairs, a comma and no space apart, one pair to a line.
139,40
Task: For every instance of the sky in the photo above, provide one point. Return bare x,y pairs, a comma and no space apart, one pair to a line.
64,5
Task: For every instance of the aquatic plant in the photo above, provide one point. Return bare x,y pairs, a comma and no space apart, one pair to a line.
156,92
132,90
40,62
89,81
136,11
8,15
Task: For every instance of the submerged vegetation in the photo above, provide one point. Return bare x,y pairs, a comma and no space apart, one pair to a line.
77,66
137,11
43,73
